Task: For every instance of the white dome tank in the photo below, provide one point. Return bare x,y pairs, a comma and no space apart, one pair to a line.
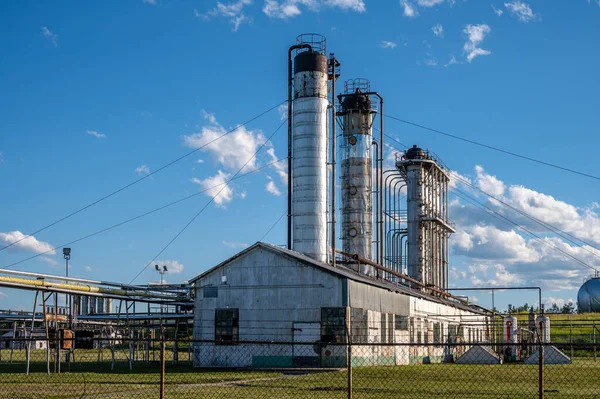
588,297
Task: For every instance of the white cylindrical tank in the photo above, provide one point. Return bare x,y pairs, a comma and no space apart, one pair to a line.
510,337
357,171
309,154
108,305
543,326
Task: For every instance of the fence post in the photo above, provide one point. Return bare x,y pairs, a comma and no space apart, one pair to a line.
571,333
594,342
541,361
349,370
162,369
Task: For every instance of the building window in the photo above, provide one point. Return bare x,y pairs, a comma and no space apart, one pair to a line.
401,322
437,333
390,328
227,331
359,326
333,325
411,334
383,331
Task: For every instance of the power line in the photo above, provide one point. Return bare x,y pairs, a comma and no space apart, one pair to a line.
514,154
550,227
140,179
492,212
273,226
209,202
160,208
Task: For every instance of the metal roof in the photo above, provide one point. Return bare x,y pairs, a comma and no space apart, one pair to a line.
340,271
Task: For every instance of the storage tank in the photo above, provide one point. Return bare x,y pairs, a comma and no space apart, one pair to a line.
588,297
357,113
108,305
510,337
543,328
309,148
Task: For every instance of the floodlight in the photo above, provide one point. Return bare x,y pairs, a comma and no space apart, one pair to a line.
66,251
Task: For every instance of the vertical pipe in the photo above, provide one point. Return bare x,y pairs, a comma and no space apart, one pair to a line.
376,206
28,349
381,151
333,61
44,299
290,171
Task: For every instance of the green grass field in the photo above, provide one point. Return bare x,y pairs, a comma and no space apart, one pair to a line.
578,380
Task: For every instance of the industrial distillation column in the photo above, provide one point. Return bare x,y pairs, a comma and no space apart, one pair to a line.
357,114
428,225
309,148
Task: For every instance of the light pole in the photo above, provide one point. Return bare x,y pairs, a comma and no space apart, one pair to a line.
67,256
161,271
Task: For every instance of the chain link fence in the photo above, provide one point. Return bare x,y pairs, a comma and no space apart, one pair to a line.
120,368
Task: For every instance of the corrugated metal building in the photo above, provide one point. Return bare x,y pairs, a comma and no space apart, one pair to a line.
269,294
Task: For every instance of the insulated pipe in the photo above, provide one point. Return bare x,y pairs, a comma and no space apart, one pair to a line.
333,63
402,276
67,288
376,206
290,83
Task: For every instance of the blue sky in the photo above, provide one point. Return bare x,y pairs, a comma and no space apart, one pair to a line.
94,95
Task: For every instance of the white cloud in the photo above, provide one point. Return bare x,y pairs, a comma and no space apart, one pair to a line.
560,302
283,112
235,245
233,11
497,11
387,44
30,244
53,38
233,150
200,161
88,268
521,10
51,262
453,61
280,167
408,9
488,183
430,61
96,134
243,195
476,34
173,267
153,2
142,170
272,188
429,3
284,9
215,187
438,30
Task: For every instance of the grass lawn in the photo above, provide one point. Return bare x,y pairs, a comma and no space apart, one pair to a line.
578,380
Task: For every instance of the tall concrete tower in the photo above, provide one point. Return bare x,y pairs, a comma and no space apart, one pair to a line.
309,148
428,225
357,113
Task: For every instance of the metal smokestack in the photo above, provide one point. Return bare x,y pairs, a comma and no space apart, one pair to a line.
309,147
357,115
